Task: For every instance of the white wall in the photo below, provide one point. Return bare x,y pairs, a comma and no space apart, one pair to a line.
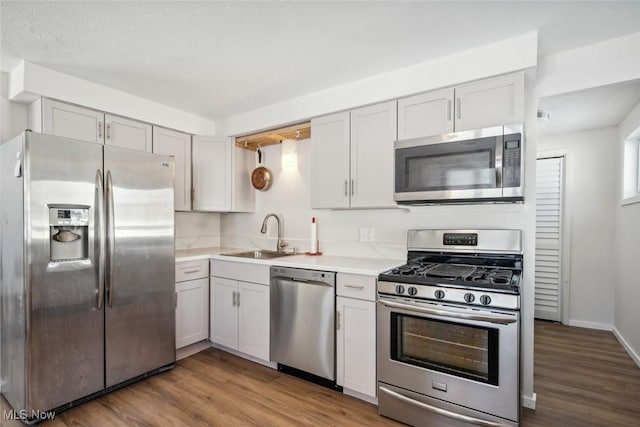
13,116
30,81
591,172
506,56
627,253
197,230
599,64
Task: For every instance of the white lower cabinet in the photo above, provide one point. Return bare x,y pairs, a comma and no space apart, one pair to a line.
356,334
192,302
240,316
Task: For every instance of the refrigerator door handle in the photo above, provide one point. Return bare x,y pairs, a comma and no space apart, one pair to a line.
99,230
110,240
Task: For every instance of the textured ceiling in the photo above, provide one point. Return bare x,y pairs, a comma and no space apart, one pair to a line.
220,58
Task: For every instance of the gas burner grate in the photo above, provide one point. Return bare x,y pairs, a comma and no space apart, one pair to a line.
450,271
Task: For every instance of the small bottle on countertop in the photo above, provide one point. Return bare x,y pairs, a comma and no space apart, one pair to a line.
313,244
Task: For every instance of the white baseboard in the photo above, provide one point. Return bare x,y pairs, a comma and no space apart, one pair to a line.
590,325
192,349
626,346
529,401
272,365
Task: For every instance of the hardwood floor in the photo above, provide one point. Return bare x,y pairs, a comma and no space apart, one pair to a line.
582,378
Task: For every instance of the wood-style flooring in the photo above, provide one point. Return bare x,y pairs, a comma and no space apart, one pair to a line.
582,378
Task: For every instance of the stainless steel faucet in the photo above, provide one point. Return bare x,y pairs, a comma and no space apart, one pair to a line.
281,244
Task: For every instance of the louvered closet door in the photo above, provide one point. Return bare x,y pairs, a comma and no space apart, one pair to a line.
549,189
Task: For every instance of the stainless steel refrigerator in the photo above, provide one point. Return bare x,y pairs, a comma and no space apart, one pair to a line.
87,269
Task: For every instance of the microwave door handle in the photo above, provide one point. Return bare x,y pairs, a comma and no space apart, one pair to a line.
449,414
491,318
498,165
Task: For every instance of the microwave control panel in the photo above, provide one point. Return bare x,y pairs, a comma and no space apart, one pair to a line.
511,161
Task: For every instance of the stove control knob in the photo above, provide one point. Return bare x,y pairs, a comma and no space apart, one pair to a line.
400,289
439,294
485,299
469,297
412,290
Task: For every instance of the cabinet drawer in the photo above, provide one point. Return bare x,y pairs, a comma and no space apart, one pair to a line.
243,271
356,286
189,270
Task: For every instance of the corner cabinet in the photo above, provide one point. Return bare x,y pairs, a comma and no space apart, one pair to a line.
486,103
352,158
192,302
240,307
177,144
356,335
221,176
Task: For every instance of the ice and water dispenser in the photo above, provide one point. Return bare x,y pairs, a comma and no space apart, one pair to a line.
69,233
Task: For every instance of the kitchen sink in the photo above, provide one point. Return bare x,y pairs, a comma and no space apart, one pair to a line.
260,254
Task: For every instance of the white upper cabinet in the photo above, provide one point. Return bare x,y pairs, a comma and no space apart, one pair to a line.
221,174
127,133
66,120
429,113
177,144
330,178
492,102
352,158
373,131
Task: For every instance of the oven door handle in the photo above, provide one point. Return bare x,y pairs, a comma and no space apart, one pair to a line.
504,320
441,411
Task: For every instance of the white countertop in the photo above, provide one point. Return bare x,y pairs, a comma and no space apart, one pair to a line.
339,264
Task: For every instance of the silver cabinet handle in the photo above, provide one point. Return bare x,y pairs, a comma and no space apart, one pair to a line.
353,186
190,271
110,227
233,298
504,320
100,130
346,188
441,411
176,294
458,108
108,130
99,232
354,286
449,109
338,315
238,300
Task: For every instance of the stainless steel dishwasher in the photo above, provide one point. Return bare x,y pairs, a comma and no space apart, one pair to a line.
303,309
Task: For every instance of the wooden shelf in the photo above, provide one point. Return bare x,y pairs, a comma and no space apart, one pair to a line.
274,136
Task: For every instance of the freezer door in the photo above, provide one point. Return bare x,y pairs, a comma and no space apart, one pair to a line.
65,324
140,268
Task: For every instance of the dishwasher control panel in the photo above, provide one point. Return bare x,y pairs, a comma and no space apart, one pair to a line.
302,275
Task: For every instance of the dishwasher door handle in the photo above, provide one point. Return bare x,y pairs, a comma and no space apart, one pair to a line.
305,281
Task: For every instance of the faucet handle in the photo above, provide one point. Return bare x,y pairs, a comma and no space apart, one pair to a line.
282,244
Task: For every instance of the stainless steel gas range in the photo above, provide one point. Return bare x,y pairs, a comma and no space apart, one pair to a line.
448,326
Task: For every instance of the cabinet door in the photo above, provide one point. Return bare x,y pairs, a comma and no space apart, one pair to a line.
224,313
356,345
211,159
373,131
253,320
127,133
492,102
426,114
192,312
70,121
178,145
330,161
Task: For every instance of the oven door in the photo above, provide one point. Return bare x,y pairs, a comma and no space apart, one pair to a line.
465,165
462,355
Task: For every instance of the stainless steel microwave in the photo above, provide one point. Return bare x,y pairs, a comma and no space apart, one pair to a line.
485,165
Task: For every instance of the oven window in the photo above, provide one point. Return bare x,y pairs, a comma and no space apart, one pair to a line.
453,348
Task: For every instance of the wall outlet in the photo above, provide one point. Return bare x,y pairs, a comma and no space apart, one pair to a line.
367,234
